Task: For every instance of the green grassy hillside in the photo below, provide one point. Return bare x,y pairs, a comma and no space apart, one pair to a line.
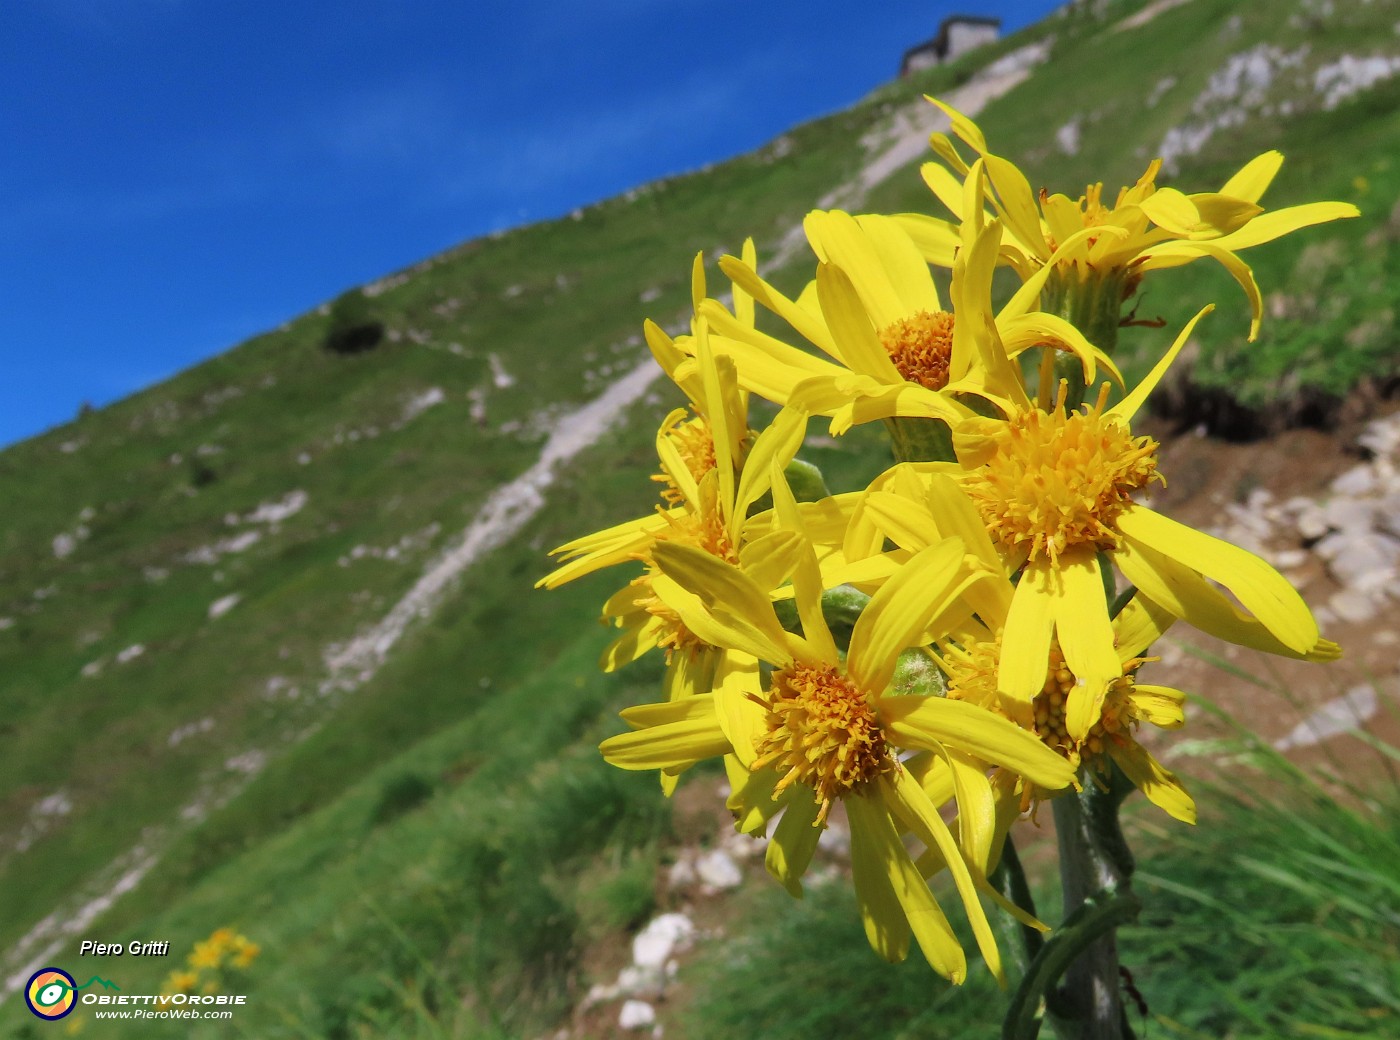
434,839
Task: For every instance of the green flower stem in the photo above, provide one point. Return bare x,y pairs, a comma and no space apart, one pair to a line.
920,440
1096,918
1092,303
1096,867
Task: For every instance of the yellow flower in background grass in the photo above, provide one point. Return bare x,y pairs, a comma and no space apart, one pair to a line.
828,729
875,311
916,510
181,982
208,954
1146,229
244,952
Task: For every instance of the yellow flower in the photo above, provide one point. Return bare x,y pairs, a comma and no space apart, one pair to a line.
1054,492
710,435
829,729
916,511
714,471
244,952
875,311
207,954
181,982
1146,229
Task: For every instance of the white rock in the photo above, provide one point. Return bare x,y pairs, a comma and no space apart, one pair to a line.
682,873
1338,80
636,981
92,668
636,1014
656,942
1312,521
1382,437
1345,713
183,733
275,512
1351,558
500,378
1348,514
131,653
718,872
1250,519
1286,559
56,804
64,544
417,405
223,605
598,994
247,763
1067,136
743,846
1355,482
1388,515
6,622
1352,605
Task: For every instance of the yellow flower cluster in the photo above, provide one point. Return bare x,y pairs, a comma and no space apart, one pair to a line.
208,961
992,549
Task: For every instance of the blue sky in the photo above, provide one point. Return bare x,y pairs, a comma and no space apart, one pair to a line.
179,175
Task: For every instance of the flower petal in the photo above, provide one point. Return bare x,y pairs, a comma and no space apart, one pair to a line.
694,735
1086,638
849,317
1254,177
719,603
1138,625
937,240
903,263
1177,589
740,717
1128,407
794,841
928,722
778,443
1159,705
901,611
1160,784
1263,591
911,805
1268,226
807,324
894,898
1030,625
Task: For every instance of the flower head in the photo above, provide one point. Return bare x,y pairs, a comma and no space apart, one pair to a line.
895,348
1053,494
1147,228
830,729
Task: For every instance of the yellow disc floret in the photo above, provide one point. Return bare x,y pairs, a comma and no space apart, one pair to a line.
1115,723
694,443
921,347
972,671
1057,481
822,732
